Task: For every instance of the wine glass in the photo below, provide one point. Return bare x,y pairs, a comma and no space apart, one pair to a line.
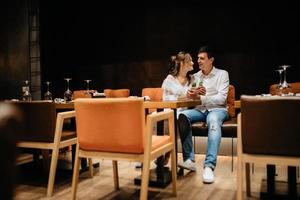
26,92
87,87
284,83
68,93
286,88
48,94
279,86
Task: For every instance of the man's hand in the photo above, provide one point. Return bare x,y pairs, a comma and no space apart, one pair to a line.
201,90
194,93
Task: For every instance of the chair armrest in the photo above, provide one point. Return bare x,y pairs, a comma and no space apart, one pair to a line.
66,114
61,116
152,119
159,116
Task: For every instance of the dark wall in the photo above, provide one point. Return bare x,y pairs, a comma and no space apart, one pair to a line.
127,45
13,48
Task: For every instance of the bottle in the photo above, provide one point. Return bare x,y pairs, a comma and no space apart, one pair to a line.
200,83
26,93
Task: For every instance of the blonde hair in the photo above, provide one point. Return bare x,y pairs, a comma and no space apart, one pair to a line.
175,61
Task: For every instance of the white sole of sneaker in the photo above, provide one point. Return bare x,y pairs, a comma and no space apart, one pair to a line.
188,168
208,181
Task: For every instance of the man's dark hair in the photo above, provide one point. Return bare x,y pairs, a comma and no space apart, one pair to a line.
207,49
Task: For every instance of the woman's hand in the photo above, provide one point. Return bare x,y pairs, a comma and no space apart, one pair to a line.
192,94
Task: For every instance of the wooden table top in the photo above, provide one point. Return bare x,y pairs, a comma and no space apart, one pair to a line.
148,104
172,104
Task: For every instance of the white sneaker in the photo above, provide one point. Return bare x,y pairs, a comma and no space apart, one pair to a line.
208,175
188,164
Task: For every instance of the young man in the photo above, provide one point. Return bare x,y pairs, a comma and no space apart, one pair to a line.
213,110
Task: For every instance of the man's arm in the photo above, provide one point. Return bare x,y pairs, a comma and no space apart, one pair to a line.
222,90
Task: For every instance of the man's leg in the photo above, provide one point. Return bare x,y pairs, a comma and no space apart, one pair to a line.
214,122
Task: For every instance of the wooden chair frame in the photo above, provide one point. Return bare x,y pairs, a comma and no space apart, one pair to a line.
54,146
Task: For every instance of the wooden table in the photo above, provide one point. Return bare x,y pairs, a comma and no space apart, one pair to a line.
172,104
147,104
65,106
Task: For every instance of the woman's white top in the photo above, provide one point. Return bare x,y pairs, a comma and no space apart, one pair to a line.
172,89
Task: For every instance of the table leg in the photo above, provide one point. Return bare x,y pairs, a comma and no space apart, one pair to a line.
161,175
292,181
271,179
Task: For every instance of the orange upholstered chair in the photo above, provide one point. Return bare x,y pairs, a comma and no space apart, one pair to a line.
82,94
115,129
110,93
155,94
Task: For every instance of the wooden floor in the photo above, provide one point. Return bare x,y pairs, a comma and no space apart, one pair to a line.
32,183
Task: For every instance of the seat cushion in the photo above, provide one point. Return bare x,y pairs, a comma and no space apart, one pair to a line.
230,101
229,128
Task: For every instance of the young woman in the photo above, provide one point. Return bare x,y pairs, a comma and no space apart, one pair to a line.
179,80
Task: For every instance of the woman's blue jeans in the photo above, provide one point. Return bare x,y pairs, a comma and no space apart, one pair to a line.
214,120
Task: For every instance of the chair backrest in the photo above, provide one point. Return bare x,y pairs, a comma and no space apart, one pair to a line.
230,101
39,120
155,94
82,94
111,124
116,93
270,125
295,88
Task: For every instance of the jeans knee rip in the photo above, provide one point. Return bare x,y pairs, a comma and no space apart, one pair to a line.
212,127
